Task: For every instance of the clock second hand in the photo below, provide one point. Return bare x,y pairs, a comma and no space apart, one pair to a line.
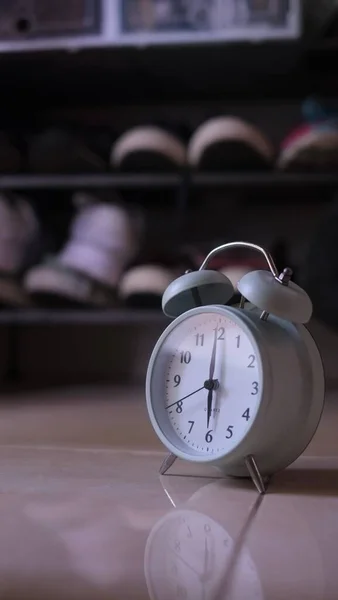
184,397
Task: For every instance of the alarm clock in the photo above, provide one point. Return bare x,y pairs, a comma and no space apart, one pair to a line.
239,387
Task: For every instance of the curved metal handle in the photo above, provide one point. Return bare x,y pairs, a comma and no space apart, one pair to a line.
265,253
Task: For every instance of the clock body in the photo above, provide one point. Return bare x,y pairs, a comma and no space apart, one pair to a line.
268,396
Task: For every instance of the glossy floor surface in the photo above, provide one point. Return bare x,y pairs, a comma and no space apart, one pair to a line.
84,514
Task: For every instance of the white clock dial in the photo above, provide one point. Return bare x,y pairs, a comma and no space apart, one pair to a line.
206,384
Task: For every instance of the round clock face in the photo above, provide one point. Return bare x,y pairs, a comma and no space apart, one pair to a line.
204,384
189,555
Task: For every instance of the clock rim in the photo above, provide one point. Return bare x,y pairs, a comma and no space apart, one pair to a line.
264,368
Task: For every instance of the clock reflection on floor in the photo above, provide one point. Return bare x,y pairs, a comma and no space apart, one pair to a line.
223,542
190,556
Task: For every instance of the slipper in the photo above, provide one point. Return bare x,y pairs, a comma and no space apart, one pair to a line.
148,148
312,146
228,143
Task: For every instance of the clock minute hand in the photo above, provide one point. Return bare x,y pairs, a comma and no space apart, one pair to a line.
184,397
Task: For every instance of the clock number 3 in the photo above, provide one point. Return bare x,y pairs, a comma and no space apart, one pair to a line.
254,388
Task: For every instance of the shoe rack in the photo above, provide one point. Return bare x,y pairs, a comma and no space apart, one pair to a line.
147,76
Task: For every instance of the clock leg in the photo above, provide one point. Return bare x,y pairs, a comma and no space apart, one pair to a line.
255,474
167,463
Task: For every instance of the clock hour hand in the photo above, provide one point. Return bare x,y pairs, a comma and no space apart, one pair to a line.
209,407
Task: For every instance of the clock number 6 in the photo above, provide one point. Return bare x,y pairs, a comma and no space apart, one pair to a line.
208,437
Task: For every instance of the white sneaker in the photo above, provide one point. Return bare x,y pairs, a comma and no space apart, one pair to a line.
103,239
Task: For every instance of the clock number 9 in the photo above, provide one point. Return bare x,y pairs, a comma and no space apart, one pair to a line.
177,380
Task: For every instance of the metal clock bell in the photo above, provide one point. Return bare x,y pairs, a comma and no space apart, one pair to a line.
241,388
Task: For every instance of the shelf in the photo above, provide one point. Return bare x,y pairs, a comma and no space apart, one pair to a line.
269,179
82,317
264,179
104,180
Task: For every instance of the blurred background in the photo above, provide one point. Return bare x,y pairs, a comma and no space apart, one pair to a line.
136,135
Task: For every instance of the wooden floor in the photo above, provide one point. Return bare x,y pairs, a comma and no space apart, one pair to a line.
109,417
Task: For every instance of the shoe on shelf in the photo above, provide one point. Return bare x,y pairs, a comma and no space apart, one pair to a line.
318,273
19,232
68,150
144,282
228,143
11,156
103,239
312,146
149,148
